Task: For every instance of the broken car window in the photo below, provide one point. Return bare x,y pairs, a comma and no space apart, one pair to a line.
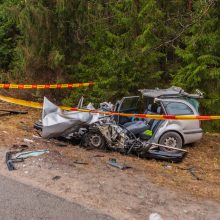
177,108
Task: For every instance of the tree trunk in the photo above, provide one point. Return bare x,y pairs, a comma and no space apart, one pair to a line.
189,6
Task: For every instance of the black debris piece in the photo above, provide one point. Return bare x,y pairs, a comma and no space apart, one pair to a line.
11,112
10,162
113,162
98,155
163,155
56,177
80,162
192,171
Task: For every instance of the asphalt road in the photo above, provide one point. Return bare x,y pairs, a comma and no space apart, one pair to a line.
19,201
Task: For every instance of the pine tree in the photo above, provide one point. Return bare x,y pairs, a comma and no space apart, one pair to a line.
50,42
8,34
201,56
116,57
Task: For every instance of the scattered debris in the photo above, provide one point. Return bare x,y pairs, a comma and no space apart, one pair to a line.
13,112
10,161
4,114
59,143
20,147
192,171
98,155
167,166
24,155
19,157
80,162
155,216
10,112
28,140
113,162
56,177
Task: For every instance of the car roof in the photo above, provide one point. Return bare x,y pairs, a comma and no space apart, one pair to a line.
172,92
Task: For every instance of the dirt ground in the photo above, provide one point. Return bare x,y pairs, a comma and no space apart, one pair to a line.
148,186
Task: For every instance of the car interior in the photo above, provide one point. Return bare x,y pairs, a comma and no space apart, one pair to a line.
140,126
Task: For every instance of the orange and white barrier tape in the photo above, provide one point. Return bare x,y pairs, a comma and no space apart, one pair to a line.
157,117
48,86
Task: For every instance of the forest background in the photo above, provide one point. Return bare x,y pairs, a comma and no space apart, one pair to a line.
122,45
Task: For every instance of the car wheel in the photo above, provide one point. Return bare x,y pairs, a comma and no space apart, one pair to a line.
96,140
171,139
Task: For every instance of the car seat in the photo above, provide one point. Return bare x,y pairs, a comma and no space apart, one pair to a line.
140,127
152,126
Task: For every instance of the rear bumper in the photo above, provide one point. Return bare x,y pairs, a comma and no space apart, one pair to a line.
192,136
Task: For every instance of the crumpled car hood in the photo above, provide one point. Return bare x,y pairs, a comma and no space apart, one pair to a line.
57,122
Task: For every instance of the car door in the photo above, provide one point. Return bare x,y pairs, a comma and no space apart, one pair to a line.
126,105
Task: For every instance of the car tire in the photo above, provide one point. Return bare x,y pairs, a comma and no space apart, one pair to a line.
172,139
95,140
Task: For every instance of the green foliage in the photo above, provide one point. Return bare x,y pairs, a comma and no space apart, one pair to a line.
201,58
49,40
8,34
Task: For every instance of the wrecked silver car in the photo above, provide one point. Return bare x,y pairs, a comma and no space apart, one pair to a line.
96,130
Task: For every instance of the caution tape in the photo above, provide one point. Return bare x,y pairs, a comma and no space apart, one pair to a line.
157,117
21,102
47,86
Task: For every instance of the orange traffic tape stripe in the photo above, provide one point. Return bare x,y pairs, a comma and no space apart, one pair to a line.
48,86
157,117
